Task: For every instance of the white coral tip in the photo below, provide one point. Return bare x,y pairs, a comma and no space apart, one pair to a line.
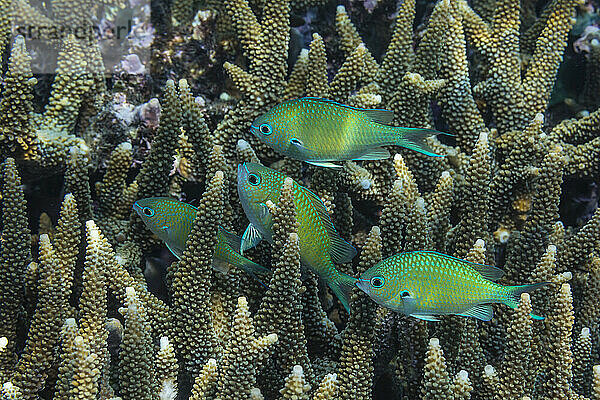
243,145
489,370
125,146
585,332
297,370
164,342
462,375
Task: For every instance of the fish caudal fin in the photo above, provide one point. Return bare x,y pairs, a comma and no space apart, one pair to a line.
342,286
254,270
515,295
414,139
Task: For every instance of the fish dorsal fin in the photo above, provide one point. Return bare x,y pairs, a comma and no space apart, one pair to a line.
234,241
340,251
379,115
251,238
487,271
484,312
378,153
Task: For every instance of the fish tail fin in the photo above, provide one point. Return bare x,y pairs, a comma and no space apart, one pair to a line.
255,270
514,296
342,286
414,139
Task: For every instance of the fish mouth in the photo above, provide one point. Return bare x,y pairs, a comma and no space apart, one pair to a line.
242,178
254,130
242,173
362,284
137,208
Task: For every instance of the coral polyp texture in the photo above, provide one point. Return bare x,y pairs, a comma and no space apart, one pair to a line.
93,306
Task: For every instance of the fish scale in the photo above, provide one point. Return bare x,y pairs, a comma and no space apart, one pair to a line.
320,244
320,131
172,221
425,284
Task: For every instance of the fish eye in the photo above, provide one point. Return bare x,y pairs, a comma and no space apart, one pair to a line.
265,129
148,212
377,282
404,293
254,179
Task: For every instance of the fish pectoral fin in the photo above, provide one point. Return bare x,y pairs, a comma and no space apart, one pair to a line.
250,238
298,150
378,153
264,214
221,265
177,251
409,304
425,317
325,164
484,312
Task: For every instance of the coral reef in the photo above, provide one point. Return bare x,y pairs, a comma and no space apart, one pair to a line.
93,306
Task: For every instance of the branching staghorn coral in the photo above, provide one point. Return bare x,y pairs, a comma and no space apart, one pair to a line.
193,332
14,257
16,105
242,356
356,358
135,358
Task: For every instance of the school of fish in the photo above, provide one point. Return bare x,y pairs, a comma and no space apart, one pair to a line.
421,284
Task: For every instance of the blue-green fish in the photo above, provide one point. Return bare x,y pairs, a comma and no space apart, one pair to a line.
172,221
424,284
320,245
320,131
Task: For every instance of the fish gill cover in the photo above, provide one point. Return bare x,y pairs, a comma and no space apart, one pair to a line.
104,103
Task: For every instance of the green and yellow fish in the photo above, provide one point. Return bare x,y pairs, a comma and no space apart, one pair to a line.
320,131
172,221
424,284
320,245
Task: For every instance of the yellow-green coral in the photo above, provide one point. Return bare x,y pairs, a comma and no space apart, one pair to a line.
16,106
472,69
193,333
14,257
135,357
